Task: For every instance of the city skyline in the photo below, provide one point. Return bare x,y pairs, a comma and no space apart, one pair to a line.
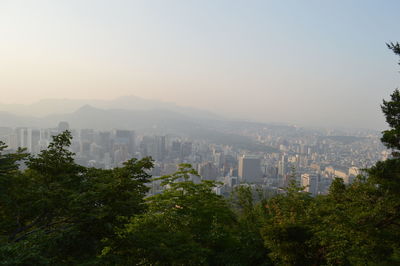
313,158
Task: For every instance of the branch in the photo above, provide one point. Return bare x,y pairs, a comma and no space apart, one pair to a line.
66,220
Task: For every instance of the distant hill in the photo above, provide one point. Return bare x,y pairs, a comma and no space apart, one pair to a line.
61,106
104,119
155,121
12,120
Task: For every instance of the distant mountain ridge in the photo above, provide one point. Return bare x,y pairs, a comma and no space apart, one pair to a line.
103,119
11,120
61,106
153,121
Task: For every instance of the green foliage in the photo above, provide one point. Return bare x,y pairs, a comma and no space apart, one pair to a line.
57,211
288,228
395,47
391,110
249,206
187,224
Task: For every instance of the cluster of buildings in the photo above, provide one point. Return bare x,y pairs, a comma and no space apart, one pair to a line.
313,159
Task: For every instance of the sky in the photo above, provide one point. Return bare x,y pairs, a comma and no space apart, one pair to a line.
315,63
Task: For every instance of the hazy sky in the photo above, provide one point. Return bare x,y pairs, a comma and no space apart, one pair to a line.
307,62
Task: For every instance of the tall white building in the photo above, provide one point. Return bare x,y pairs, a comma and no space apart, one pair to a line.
282,165
310,183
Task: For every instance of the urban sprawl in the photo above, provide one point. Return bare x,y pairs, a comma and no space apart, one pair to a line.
312,157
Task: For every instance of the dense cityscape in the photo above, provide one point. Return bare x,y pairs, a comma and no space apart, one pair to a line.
313,157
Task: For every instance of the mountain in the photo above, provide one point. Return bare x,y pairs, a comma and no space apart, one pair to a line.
155,121
61,106
12,120
104,119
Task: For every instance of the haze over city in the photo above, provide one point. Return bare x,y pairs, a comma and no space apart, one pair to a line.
296,62
199,132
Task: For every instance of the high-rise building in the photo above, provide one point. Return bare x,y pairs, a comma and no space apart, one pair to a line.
104,140
22,134
282,165
87,135
310,183
153,146
208,171
63,126
34,141
186,149
250,169
28,138
12,141
160,147
120,154
125,137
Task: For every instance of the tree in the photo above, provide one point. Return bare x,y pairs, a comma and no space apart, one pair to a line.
186,224
249,205
58,212
391,110
13,192
287,230
360,223
395,47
